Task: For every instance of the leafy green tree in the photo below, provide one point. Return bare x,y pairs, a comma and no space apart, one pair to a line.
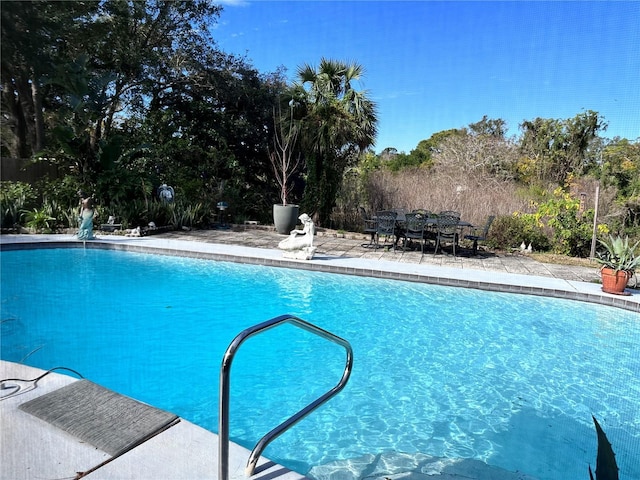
396,161
139,50
489,127
338,123
402,160
424,152
37,36
211,137
557,148
621,166
139,95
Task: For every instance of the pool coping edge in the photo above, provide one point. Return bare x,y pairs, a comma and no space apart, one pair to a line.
507,283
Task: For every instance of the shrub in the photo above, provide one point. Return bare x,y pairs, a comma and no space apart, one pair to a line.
15,198
131,213
161,213
509,231
62,192
187,215
64,215
571,229
39,220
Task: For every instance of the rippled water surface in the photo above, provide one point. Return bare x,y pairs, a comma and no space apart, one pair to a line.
510,380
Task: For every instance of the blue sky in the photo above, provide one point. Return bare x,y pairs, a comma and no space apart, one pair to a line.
432,66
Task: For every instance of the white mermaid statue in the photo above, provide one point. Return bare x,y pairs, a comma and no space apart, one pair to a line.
85,232
299,243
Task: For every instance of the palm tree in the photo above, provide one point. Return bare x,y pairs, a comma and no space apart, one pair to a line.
338,123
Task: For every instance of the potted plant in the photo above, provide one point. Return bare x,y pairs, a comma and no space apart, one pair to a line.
619,262
285,163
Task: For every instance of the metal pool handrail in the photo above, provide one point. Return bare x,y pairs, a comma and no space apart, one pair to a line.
225,384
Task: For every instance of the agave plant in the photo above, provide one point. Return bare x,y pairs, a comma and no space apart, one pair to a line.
187,215
619,255
606,466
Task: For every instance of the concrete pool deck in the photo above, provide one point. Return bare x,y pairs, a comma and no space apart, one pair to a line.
31,448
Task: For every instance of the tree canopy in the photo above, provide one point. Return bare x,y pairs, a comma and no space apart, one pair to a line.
337,124
126,94
560,147
123,95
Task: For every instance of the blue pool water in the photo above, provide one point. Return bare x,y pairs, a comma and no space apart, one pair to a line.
510,380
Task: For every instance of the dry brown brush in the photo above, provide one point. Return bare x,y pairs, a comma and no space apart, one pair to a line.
475,196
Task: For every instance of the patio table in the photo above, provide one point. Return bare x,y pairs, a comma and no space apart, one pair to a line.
431,221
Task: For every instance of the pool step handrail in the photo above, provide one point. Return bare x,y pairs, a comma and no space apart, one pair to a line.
225,384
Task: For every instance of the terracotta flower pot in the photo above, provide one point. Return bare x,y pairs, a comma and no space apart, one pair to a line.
614,281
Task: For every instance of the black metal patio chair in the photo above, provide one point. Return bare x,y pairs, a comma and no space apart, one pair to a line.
414,229
386,227
480,235
369,226
447,231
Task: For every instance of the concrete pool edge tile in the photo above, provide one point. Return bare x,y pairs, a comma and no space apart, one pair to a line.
454,276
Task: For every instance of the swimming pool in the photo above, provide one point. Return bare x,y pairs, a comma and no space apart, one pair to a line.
509,380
